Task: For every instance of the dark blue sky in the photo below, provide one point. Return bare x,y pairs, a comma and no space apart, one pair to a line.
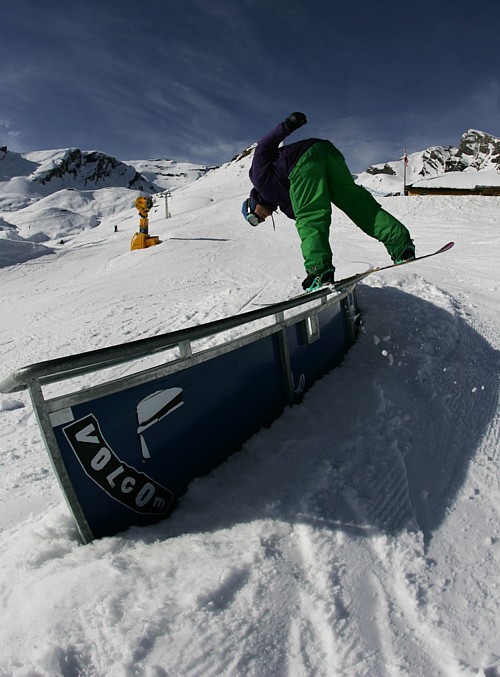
199,80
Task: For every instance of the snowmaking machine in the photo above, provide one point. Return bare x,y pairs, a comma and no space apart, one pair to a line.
142,239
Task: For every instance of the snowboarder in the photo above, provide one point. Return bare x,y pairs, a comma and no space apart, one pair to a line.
303,179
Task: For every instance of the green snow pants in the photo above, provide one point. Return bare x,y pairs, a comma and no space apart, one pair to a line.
321,177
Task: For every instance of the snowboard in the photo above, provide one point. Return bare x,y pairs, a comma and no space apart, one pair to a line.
339,285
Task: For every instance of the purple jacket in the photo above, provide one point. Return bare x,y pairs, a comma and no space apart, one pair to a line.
271,167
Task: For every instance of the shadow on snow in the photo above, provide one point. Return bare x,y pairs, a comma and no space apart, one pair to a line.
380,444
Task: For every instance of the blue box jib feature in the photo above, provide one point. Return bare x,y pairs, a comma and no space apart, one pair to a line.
125,449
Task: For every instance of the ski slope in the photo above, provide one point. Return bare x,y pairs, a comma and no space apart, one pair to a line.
358,535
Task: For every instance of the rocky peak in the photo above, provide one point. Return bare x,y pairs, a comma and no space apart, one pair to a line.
90,169
477,150
378,169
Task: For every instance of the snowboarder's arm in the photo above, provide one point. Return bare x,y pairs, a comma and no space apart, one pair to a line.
265,151
267,147
269,143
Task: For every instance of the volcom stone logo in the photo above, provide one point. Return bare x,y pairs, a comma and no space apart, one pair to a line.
153,409
120,481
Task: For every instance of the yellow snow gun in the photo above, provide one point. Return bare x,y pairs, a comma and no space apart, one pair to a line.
142,239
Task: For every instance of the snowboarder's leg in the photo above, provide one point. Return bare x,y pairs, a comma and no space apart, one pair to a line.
361,207
310,199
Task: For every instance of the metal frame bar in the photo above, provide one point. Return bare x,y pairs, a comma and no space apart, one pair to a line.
187,359
63,368
42,416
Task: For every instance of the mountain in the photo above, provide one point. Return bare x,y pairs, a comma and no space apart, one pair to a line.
41,173
477,152
54,194
27,177
168,174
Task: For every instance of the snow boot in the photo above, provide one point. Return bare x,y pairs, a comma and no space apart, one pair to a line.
407,255
316,280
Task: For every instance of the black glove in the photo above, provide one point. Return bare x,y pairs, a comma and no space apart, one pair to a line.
294,121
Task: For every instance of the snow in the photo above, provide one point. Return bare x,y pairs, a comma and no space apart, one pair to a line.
168,174
469,179
358,535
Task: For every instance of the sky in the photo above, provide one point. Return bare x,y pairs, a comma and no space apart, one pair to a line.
200,81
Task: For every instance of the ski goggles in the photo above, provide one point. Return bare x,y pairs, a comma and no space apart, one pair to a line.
249,214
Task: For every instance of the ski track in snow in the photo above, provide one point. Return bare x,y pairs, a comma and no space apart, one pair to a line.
357,536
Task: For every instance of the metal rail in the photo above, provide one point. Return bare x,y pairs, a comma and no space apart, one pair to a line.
62,368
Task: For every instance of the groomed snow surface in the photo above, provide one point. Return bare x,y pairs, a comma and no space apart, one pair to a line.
358,535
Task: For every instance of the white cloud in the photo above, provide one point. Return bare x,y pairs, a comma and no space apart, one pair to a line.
9,135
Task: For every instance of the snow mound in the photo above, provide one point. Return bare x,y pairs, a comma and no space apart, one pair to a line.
15,249
67,212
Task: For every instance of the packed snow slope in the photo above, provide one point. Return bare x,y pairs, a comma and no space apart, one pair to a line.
358,535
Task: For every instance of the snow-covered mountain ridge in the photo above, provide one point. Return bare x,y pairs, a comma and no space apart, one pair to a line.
476,152
169,174
27,177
